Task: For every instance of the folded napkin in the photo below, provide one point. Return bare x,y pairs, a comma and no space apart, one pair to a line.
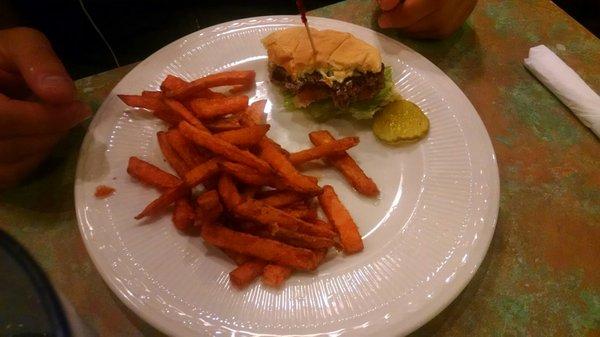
559,78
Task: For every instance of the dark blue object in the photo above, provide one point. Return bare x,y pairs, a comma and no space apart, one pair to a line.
28,304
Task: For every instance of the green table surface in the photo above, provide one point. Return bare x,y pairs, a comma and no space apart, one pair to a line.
541,275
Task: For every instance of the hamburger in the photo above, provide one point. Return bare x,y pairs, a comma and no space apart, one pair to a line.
345,76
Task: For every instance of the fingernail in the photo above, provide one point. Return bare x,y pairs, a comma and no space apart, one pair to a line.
55,81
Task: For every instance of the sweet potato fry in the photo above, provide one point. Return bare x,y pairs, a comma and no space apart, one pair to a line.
247,272
250,176
265,249
274,275
172,83
236,89
202,172
228,192
245,119
256,211
208,207
224,124
238,258
306,214
283,198
324,224
298,239
208,200
103,191
170,155
321,151
245,174
168,197
154,94
223,148
185,149
304,204
341,219
185,114
287,236
138,101
167,116
204,94
254,114
285,169
150,174
244,137
207,108
347,166
207,93
183,215
253,228
214,80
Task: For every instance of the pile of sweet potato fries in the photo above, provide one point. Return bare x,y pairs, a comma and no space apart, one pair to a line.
241,190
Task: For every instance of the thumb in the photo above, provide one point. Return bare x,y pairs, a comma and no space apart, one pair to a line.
407,13
29,52
387,5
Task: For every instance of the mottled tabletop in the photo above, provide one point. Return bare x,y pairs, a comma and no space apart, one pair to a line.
541,275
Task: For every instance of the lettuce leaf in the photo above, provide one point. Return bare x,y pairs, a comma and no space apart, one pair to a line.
324,109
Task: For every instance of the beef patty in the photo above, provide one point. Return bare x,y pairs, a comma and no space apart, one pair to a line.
355,88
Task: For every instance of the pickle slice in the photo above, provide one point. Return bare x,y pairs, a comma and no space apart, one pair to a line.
400,121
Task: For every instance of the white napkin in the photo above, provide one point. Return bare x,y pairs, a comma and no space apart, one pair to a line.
559,78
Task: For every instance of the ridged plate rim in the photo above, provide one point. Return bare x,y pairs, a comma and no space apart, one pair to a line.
451,94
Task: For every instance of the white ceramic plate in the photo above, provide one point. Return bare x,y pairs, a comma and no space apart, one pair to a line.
424,237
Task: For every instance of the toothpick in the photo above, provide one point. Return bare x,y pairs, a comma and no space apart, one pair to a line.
302,11
312,43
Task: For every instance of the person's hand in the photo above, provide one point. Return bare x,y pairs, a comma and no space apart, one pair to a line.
425,18
37,105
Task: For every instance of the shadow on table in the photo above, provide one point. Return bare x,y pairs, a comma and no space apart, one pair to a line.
455,310
144,328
